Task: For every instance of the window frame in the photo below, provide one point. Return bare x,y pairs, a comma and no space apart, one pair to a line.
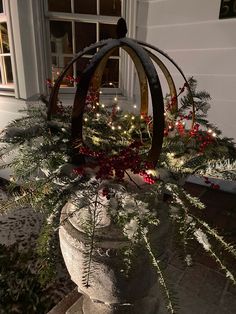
76,17
8,89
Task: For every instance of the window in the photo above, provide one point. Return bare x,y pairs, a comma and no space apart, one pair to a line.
75,24
6,76
228,9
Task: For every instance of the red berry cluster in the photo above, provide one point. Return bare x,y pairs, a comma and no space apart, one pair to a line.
212,185
180,128
128,158
148,178
204,139
92,97
72,79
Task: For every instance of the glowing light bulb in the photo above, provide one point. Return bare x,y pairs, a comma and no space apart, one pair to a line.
98,115
125,132
119,127
176,123
135,106
141,117
209,131
133,117
85,119
214,134
115,99
172,154
113,128
118,108
97,103
100,92
126,116
103,106
110,83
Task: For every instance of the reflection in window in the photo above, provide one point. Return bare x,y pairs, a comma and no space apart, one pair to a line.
71,35
6,76
85,7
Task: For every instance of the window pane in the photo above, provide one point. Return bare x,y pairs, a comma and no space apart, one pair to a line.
61,37
1,7
4,38
110,7
111,74
8,69
85,35
86,6
58,64
59,5
108,31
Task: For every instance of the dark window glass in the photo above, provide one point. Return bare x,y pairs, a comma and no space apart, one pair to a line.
8,68
85,35
111,73
227,9
110,7
1,6
61,36
86,6
108,31
59,5
0,77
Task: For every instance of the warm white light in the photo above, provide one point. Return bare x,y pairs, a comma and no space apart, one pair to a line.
214,134
176,123
126,116
135,106
125,132
132,117
115,99
85,119
172,154
100,92
118,108
97,103
98,115
170,127
119,127
113,128
209,131
164,114
141,117
103,106
110,83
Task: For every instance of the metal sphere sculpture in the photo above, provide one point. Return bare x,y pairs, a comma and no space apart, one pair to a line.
143,57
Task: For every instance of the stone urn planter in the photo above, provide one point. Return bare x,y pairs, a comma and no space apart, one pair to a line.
110,290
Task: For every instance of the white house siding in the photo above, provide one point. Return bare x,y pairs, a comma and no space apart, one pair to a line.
203,46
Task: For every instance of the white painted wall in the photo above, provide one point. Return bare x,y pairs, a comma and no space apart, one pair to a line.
202,45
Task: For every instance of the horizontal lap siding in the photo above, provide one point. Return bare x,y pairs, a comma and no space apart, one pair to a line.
202,45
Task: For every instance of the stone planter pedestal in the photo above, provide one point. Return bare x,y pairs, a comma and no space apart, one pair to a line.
109,290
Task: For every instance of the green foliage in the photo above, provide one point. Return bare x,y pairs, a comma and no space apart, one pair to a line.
48,179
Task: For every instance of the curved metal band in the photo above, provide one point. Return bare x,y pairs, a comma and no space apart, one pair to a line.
97,77
178,68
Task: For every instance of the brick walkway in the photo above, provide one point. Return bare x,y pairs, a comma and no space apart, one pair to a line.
202,288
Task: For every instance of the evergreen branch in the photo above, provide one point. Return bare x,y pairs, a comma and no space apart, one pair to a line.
228,247
161,277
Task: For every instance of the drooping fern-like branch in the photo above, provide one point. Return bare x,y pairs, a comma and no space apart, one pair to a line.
170,299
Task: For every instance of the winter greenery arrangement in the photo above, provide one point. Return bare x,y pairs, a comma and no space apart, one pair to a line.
114,175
